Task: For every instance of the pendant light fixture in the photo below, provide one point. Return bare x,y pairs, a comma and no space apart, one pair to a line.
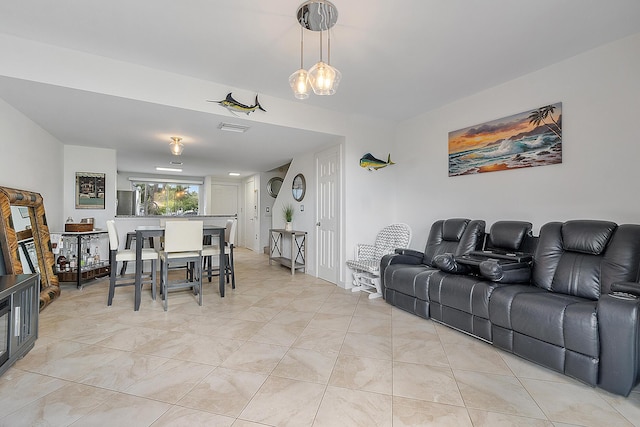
316,15
176,146
298,80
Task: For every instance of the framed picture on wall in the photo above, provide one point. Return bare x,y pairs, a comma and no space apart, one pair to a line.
90,190
531,138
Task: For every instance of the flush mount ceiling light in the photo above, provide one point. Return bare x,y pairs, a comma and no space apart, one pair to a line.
159,168
232,127
316,15
176,146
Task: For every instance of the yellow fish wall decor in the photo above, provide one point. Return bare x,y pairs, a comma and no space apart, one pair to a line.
371,163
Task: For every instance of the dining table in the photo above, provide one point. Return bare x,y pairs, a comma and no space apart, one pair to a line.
144,232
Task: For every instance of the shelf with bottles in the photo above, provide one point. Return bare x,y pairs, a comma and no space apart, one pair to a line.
81,256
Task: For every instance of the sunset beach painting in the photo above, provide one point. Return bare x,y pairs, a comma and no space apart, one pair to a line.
530,138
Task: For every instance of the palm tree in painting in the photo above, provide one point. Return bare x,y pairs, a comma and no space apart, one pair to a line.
540,116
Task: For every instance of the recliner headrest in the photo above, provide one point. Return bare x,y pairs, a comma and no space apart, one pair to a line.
508,235
587,236
452,229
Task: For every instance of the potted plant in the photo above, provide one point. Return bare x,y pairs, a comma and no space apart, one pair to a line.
287,211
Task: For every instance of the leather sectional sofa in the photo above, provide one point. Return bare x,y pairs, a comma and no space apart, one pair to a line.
568,299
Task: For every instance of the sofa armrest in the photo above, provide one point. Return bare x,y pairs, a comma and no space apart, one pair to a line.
401,256
625,289
410,252
619,331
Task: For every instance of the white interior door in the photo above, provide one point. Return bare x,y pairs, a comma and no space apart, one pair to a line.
251,216
327,225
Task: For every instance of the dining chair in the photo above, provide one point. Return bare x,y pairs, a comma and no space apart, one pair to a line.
124,255
131,237
182,245
211,252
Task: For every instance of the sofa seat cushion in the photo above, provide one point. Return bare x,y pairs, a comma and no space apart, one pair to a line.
411,280
469,294
501,301
541,315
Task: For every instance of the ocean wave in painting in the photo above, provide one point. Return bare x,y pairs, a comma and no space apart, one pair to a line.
533,150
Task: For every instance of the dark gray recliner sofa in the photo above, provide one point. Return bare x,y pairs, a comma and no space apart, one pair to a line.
579,314
405,274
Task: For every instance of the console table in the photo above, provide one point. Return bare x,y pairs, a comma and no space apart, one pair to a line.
298,253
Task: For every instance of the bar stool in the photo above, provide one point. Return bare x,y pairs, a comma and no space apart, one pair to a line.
131,236
116,256
182,244
211,251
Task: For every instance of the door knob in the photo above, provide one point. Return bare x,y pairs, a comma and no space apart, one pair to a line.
318,224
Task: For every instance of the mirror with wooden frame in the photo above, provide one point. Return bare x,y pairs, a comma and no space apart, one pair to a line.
25,240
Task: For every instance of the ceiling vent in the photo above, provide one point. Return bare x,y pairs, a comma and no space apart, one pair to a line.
232,127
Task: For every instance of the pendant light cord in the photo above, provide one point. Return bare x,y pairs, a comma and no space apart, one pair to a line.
301,47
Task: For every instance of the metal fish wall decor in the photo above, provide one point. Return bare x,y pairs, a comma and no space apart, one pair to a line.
236,107
371,163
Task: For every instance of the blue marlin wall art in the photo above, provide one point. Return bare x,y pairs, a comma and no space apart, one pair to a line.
236,107
371,163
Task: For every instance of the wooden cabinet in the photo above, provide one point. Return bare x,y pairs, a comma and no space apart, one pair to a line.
296,255
19,297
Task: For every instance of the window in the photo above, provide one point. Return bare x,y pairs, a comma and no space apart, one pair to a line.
161,198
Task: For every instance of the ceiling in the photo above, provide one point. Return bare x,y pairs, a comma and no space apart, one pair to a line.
398,59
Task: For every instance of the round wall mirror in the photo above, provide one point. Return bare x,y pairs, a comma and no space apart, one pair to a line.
299,187
274,185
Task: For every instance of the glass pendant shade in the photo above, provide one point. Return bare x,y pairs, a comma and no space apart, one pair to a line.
298,82
324,79
176,146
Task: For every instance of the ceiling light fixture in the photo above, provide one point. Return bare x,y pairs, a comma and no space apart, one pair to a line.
316,15
176,146
232,127
158,168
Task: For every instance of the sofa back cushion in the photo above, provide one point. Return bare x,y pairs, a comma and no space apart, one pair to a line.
584,257
456,236
508,235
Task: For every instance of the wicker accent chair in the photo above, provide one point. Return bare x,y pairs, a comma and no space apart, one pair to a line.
366,265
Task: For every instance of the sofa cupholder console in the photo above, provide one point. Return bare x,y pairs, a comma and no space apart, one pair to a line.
568,299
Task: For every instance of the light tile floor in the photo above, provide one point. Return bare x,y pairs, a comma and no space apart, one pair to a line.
279,350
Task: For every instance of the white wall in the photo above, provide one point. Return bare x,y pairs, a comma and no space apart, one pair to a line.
599,175
95,160
369,195
267,202
31,160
